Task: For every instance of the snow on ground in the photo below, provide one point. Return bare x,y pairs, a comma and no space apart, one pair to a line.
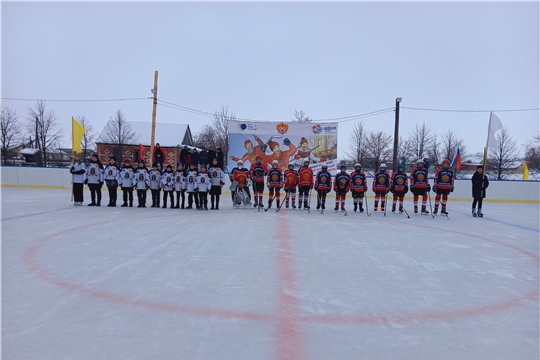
132,283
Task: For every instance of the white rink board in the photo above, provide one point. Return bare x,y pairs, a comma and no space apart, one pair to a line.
518,191
131,283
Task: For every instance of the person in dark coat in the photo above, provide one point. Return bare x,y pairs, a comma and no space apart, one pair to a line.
183,154
220,157
211,155
187,159
479,186
159,155
203,158
195,158
426,164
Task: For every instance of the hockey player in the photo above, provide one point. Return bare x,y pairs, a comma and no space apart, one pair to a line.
479,186
240,183
323,183
155,184
399,186
111,175
191,188
217,180
275,183
94,179
140,182
167,182
305,184
78,169
443,185
258,172
203,186
420,185
358,186
290,180
180,184
126,183
381,186
342,183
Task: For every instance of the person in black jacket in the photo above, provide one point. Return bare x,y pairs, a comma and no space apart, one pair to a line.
211,155
219,157
203,158
183,154
479,186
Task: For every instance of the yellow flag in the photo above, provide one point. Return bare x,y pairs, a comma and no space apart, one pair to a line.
77,131
525,171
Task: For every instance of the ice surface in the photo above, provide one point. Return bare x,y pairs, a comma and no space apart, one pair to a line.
132,283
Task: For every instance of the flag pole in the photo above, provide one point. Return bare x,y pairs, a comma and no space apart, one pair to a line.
153,134
72,161
484,160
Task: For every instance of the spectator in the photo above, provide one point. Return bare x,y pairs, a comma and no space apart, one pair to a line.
426,164
159,154
203,157
183,154
219,157
211,155
195,158
187,159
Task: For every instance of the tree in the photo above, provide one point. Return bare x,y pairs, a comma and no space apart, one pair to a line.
434,151
301,117
206,137
11,131
88,138
119,132
532,153
449,142
406,150
420,140
357,146
44,124
378,148
503,157
220,125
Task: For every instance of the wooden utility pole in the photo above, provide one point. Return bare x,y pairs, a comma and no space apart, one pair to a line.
153,137
396,137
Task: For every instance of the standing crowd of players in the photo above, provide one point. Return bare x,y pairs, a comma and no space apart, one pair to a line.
304,180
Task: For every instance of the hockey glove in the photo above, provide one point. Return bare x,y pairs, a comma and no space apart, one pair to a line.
85,181
406,189
452,188
428,187
412,186
434,188
316,188
286,142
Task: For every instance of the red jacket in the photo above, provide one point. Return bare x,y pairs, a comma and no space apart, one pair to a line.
305,177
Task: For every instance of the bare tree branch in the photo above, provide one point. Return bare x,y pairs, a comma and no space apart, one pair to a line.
11,131
532,153
119,132
301,117
43,123
502,159
88,144
378,149
357,146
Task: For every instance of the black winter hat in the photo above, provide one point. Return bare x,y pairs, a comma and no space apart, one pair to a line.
96,155
479,167
112,158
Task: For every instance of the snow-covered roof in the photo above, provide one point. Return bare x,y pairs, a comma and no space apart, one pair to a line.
29,151
166,134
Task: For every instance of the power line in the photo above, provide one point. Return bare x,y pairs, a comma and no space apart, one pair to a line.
78,100
447,110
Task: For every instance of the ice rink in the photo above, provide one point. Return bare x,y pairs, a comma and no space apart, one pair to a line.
131,283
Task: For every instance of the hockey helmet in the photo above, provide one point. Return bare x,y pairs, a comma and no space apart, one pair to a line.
357,165
240,163
420,161
291,166
446,161
343,167
258,158
324,167
400,167
382,166
275,162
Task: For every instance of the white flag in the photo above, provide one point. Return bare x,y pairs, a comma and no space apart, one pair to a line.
495,125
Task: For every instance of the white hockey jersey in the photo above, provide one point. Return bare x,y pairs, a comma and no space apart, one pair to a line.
217,177
191,181
155,179
126,177
180,183
141,179
111,174
203,182
167,179
94,174
81,168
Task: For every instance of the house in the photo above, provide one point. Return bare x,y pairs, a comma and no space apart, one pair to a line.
171,137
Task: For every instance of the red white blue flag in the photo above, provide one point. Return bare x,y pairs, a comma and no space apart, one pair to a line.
456,163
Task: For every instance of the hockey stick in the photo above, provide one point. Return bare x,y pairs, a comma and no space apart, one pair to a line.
280,205
385,202
271,201
309,201
430,208
367,207
403,207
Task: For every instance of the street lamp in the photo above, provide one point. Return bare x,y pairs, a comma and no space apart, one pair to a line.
396,136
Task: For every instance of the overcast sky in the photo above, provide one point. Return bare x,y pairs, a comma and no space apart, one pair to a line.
266,60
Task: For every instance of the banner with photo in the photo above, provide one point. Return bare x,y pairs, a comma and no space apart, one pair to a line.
287,143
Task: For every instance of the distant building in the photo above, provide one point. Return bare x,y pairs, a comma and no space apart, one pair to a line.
171,137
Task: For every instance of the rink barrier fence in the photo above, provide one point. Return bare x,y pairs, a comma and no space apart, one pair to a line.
498,191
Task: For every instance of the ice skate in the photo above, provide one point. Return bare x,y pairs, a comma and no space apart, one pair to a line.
415,209
424,210
474,213
480,213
